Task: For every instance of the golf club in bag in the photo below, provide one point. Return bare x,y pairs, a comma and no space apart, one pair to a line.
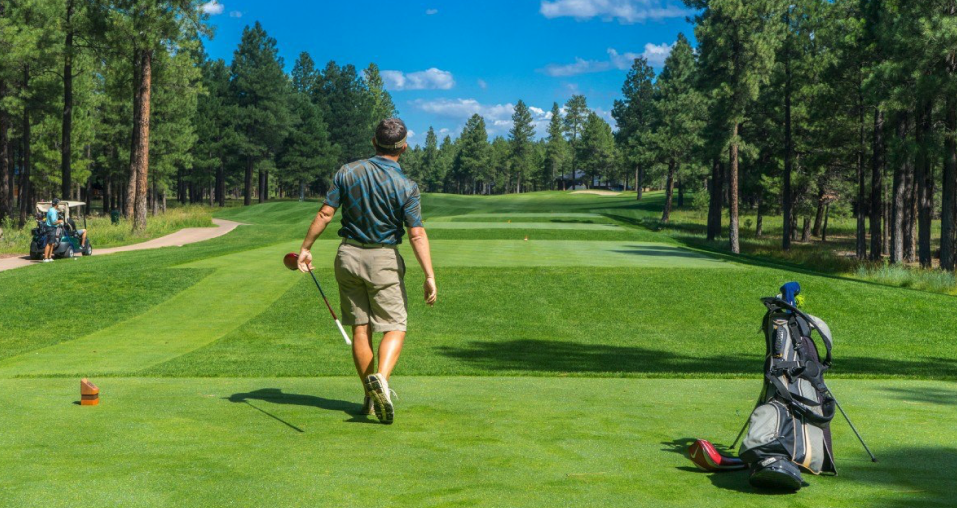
291,261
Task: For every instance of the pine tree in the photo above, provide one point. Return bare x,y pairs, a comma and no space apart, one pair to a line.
259,87
556,151
576,112
343,97
381,106
737,42
520,137
596,148
678,116
430,161
634,113
472,156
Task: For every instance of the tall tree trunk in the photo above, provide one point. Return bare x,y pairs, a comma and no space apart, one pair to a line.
143,140
681,192
806,232
221,183
247,192
861,238
899,204
66,141
26,186
759,223
6,190
129,199
827,213
669,191
6,185
787,197
639,181
925,183
948,214
733,228
715,205
819,214
877,186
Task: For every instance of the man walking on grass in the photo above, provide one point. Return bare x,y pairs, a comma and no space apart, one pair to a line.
378,201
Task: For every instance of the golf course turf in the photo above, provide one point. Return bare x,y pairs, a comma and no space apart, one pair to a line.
570,369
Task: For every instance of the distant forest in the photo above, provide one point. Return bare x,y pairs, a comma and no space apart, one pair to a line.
802,109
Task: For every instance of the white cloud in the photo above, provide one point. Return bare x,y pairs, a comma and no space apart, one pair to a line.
580,66
410,134
482,84
212,8
624,11
430,79
431,12
654,53
498,117
235,14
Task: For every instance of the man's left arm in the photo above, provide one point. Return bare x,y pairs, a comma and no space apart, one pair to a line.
323,218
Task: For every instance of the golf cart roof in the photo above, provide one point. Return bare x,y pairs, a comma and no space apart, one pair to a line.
43,206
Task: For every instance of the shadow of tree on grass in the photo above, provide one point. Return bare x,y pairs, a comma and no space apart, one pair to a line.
552,356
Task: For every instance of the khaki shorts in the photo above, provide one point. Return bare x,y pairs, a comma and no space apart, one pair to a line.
371,289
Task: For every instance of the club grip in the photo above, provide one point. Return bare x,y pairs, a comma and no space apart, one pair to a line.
345,336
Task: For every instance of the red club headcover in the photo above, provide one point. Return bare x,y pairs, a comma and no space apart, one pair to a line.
706,457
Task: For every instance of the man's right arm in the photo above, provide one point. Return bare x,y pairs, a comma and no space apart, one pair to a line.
420,246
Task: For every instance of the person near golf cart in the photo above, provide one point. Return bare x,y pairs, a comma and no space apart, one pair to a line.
378,202
52,222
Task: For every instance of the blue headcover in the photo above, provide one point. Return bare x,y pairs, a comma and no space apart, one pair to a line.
790,291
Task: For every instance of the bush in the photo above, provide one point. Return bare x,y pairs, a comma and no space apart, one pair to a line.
937,281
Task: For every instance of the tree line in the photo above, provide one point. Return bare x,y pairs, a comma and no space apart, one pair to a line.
117,99
806,108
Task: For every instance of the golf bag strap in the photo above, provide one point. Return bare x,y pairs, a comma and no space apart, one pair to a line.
776,303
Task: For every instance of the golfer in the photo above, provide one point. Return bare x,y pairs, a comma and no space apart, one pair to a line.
52,222
378,202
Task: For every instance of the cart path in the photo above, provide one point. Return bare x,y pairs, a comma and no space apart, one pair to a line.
178,239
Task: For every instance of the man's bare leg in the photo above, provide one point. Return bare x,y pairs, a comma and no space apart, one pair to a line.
389,351
362,353
48,251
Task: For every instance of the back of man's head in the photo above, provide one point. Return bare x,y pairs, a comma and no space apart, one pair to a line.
390,137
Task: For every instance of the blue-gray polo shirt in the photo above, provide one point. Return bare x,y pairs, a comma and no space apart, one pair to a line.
377,201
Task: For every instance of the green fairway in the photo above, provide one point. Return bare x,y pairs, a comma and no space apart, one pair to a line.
569,369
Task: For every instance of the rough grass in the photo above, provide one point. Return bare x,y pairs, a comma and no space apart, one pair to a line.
103,233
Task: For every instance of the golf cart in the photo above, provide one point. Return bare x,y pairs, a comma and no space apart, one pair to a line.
67,238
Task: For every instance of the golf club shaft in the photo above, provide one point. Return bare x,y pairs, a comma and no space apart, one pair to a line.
856,433
342,330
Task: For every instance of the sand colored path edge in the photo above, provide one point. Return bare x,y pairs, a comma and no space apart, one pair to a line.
178,239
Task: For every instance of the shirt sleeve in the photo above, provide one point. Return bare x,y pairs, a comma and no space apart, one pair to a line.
334,196
413,209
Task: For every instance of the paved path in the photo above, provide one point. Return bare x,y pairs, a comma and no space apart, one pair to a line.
177,239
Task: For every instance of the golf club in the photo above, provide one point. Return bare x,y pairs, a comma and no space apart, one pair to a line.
291,261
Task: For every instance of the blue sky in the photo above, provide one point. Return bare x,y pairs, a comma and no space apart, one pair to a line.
445,60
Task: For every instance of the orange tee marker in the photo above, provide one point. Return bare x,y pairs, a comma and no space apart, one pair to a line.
89,393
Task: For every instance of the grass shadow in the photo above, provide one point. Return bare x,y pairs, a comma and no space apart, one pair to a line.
937,396
552,356
920,477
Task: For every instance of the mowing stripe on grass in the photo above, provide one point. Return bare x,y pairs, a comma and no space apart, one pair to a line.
523,225
241,286
506,215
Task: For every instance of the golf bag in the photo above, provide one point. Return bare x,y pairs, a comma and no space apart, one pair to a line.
789,428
